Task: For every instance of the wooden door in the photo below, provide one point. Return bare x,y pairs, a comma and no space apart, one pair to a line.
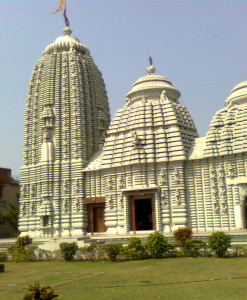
96,217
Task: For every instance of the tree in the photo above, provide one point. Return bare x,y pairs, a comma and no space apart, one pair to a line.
14,180
11,215
219,242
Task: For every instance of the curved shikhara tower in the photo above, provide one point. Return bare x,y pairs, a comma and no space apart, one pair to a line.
67,114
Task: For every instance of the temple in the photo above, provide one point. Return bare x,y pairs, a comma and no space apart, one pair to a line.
145,170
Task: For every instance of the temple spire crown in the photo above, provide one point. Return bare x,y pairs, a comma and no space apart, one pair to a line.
151,70
67,31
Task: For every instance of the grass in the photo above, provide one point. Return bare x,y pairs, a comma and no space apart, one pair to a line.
174,278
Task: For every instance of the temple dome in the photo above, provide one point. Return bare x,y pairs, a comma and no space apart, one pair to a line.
67,43
153,81
238,94
152,127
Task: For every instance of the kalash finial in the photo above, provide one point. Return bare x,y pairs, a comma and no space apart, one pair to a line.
150,69
67,31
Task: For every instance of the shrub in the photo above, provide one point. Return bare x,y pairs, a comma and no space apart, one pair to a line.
219,242
157,244
36,292
42,254
23,241
100,253
113,250
237,251
22,254
195,247
68,250
56,255
172,250
90,251
182,234
3,256
135,249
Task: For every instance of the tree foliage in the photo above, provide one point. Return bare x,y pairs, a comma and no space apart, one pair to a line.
182,234
11,215
23,241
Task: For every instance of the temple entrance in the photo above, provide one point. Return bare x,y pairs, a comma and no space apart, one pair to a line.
142,213
96,217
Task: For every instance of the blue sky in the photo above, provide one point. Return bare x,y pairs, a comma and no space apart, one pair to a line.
200,46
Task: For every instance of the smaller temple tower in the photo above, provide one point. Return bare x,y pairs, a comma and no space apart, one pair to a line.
138,180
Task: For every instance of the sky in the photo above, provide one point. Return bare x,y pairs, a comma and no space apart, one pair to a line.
200,46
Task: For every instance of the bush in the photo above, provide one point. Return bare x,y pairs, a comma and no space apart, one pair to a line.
23,241
42,254
22,254
68,250
3,256
56,255
36,292
113,250
219,242
182,234
237,251
156,244
90,251
172,250
135,249
195,247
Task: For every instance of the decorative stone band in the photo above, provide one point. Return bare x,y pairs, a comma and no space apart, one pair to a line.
66,46
46,209
140,191
91,200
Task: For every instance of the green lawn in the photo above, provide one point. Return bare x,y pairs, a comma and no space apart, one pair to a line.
173,278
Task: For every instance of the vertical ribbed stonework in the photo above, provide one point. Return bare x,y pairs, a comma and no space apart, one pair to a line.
144,152
67,115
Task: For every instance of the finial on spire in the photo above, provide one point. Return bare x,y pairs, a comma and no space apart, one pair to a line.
67,31
150,69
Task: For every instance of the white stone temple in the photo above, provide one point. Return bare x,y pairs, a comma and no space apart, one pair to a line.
146,170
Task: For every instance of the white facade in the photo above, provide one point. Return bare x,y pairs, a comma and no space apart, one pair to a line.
149,171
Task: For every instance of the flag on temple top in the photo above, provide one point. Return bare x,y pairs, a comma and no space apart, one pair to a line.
65,17
62,3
